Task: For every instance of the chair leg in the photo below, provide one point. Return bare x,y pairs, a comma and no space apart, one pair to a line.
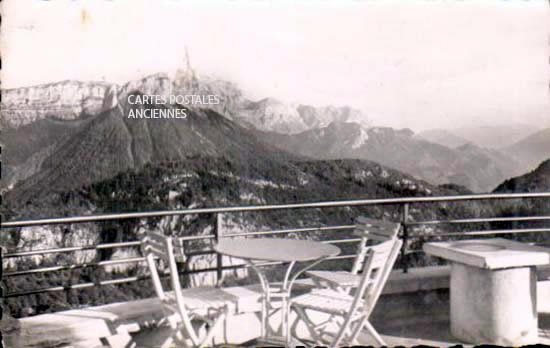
374,334
121,340
212,330
344,329
358,326
168,342
175,333
309,324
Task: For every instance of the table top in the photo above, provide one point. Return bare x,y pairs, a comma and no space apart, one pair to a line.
491,253
276,249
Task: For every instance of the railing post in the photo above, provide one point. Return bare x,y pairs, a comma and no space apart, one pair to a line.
404,217
1,266
219,257
1,293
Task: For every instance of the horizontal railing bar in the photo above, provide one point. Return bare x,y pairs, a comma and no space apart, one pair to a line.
181,239
71,249
332,241
486,232
326,204
76,286
263,233
260,264
338,257
191,238
93,247
199,253
329,204
137,260
91,284
341,241
138,278
291,230
141,259
75,266
496,219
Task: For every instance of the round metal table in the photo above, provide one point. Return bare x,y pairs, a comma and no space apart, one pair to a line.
288,251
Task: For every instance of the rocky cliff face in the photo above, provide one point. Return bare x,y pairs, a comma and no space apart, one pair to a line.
67,100
318,117
187,82
157,84
272,115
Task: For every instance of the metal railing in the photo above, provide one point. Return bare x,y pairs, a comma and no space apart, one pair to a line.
403,203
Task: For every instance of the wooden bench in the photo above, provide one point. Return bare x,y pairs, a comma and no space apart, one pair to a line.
111,325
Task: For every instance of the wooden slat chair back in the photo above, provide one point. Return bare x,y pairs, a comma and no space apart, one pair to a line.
354,309
159,247
370,231
378,266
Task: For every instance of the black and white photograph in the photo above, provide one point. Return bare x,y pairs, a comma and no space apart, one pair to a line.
256,173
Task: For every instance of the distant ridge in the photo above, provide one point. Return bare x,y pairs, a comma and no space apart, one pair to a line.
537,180
495,137
442,137
478,169
532,150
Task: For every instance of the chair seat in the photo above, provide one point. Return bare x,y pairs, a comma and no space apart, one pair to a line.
209,305
340,279
325,300
201,300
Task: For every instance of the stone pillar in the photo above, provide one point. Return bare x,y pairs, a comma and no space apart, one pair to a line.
495,306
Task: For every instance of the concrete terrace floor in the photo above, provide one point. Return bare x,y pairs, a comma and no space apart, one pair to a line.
428,326
422,331
413,310
438,334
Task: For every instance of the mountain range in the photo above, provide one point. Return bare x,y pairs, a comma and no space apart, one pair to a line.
537,180
59,123
65,100
442,137
531,150
476,168
98,148
527,145
493,137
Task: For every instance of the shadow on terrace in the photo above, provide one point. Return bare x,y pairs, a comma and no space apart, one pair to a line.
416,306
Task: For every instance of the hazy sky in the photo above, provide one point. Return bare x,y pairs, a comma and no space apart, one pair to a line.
418,64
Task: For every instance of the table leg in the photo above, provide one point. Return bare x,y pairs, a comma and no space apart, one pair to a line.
285,290
284,293
288,289
265,298
281,292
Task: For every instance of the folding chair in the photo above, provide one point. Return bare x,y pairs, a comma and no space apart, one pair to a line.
206,307
348,313
368,230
